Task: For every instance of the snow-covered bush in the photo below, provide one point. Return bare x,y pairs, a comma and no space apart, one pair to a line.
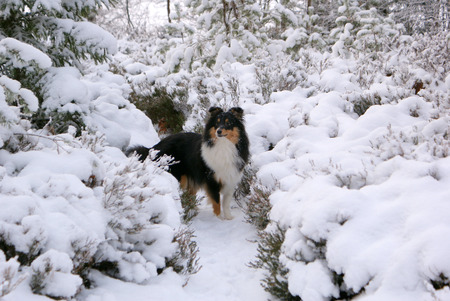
186,260
141,222
52,275
282,74
268,258
162,107
36,36
256,205
9,274
90,208
17,103
364,30
348,217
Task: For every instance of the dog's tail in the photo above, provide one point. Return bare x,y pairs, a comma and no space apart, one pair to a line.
141,151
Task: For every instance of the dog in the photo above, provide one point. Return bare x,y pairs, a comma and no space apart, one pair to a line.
213,161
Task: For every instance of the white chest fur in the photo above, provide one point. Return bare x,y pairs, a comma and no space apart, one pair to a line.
223,159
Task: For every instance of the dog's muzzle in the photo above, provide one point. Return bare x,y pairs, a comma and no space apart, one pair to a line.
220,132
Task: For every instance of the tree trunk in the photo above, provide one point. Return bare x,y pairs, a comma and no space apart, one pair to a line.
168,11
225,20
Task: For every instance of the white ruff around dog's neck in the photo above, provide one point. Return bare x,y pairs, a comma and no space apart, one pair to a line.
223,158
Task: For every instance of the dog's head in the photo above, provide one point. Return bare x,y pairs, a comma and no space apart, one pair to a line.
225,124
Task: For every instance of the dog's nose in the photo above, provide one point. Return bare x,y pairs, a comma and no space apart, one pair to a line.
219,132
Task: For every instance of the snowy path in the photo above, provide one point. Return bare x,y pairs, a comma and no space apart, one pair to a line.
225,249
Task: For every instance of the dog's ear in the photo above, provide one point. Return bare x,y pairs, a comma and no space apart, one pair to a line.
238,112
213,111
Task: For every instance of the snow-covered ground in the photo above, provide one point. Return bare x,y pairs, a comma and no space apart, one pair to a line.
226,248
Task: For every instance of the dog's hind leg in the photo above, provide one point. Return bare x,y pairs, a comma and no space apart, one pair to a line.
213,192
188,185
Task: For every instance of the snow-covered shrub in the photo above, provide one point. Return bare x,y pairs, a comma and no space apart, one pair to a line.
282,74
268,258
9,274
364,30
361,103
186,260
430,53
71,205
355,216
17,103
256,205
141,223
52,275
34,37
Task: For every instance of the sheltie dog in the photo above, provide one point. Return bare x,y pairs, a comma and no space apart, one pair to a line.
213,161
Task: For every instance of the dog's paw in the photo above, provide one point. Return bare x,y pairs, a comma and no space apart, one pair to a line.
228,216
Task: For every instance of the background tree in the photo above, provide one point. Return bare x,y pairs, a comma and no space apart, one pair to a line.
421,16
39,34
57,28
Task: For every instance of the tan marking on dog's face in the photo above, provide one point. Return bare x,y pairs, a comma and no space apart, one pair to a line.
212,133
232,135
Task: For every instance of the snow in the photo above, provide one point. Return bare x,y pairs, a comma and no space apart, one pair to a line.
375,216
225,274
21,54
362,198
58,282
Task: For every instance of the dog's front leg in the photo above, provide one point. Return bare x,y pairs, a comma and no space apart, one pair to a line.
226,202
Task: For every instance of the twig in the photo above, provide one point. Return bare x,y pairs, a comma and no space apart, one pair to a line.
55,140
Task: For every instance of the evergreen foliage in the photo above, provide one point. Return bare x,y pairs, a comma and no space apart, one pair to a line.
268,258
57,28
35,36
164,108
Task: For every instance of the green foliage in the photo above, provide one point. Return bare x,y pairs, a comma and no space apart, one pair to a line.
161,107
440,282
361,105
53,30
34,36
24,258
58,122
190,203
253,198
268,258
